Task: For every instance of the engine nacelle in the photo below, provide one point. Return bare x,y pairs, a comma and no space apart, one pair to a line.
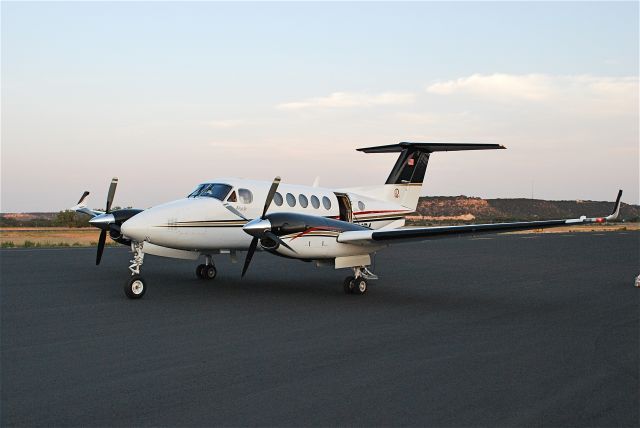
311,237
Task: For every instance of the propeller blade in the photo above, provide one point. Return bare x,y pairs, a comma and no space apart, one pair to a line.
112,192
235,211
247,260
278,240
84,195
272,192
101,241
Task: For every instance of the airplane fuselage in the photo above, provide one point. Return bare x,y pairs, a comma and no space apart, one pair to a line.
203,223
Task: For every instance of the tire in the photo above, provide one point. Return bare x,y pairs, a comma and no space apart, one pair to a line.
135,287
209,272
359,286
348,285
199,272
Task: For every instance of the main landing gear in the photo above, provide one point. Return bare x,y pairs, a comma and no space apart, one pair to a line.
357,284
207,270
135,287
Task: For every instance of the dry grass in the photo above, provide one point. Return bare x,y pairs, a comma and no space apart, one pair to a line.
49,237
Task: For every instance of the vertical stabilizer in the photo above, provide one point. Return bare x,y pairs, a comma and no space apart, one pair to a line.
405,180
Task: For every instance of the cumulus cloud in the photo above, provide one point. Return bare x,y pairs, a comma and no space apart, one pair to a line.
539,87
350,99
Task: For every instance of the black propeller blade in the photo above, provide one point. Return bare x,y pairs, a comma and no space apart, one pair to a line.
112,192
254,241
247,260
270,195
103,234
84,195
101,242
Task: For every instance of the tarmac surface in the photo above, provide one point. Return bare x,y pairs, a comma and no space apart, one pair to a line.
518,330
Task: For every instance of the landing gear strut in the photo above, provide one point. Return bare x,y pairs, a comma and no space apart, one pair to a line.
207,270
135,286
357,284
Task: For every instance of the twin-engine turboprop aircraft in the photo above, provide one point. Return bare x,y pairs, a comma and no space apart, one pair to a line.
339,228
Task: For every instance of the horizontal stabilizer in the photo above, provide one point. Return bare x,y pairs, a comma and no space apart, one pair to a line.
429,147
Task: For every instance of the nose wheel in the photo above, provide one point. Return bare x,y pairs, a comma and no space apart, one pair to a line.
135,287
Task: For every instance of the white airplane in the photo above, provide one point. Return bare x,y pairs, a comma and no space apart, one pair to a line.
339,228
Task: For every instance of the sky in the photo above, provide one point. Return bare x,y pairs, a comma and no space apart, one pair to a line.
165,95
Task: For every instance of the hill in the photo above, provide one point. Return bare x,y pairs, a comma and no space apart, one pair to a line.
470,209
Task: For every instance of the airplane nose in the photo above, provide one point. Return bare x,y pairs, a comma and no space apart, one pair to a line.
135,228
257,227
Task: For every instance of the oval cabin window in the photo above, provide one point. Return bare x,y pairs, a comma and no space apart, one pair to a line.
277,199
326,202
315,202
303,200
291,200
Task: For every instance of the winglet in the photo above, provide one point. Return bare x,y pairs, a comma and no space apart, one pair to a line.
616,208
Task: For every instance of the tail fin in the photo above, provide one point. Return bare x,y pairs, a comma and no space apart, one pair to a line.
405,180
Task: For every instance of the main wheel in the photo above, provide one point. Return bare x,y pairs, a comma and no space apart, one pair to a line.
199,271
348,284
135,287
209,272
359,286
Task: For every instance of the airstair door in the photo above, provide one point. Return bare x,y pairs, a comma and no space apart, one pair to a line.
346,213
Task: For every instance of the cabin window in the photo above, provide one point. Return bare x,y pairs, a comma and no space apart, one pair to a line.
303,200
315,201
232,197
326,202
291,200
245,195
277,199
361,206
212,190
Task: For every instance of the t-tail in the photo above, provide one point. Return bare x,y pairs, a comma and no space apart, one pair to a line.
404,183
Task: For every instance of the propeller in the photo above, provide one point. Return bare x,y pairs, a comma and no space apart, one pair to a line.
84,195
261,227
108,217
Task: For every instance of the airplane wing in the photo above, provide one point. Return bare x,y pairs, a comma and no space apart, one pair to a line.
364,237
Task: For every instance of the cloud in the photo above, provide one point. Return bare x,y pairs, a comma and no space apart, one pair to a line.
224,124
539,87
350,99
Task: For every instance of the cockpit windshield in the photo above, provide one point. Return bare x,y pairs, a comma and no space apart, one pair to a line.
211,190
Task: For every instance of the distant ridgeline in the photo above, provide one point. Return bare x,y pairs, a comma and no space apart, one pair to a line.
431,209
452,209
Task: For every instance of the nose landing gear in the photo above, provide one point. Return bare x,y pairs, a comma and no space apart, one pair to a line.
135,286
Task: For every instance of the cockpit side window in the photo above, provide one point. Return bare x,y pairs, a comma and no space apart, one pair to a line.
232,197
245,195
212,190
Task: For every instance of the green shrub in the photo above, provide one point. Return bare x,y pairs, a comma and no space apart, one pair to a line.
29,244
8,244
